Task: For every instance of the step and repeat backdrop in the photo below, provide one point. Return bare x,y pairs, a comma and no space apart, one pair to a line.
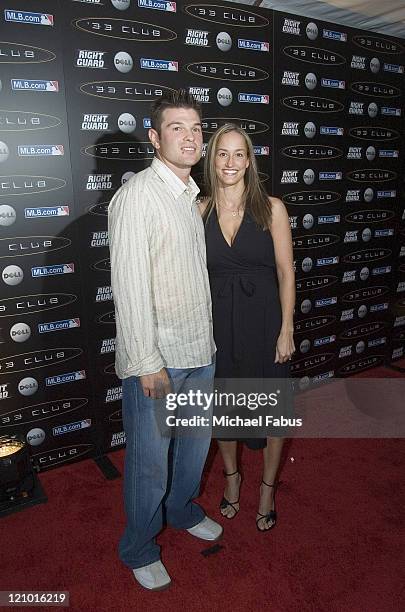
338,166
324,107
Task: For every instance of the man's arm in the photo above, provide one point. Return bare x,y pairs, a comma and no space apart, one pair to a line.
131,284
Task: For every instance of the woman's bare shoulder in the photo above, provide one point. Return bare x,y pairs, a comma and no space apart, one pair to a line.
278,208
276,204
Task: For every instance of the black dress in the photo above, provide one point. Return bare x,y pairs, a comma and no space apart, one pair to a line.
245,304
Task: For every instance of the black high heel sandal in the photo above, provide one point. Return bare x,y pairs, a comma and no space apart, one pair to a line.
272,515
225,503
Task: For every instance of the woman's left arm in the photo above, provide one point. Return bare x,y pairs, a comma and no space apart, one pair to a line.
281,233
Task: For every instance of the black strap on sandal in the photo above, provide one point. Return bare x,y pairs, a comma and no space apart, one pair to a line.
225,503
232,473
272,514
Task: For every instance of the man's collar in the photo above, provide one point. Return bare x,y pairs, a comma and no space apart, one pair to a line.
176,185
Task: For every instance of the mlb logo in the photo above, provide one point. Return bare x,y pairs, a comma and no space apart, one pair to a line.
261,150
46,19
80,375
69,268
171,7
57,150
74,323
63,211
52,86
264,46
265,99
173,66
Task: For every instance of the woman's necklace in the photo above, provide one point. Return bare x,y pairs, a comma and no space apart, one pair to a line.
235,212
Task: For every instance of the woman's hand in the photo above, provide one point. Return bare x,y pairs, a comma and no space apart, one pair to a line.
285,347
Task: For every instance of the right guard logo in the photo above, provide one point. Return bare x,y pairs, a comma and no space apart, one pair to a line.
104,294
291,78
292,26
114,394
99,182
290,128
90,59
197,38
289,176
202,94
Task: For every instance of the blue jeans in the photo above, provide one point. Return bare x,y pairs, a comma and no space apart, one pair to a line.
150,487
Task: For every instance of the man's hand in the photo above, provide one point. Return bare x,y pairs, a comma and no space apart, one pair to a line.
156,385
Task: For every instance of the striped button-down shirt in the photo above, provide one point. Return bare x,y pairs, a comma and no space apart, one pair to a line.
158,274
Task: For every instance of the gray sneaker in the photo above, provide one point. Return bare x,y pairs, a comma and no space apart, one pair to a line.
207,529
153,577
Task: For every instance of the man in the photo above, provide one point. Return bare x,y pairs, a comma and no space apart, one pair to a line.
164,334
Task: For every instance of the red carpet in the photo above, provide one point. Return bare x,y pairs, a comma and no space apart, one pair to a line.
338,544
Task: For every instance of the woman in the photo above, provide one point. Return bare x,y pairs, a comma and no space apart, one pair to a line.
250,263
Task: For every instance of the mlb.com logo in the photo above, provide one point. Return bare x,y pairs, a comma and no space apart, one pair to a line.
34,85
60,379
52,270
253,45
40,150
46,211
156,64
25,17
64,429
253,98
259,150
52,326
158,5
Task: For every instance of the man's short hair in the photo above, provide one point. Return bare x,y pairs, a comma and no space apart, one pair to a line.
180,98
